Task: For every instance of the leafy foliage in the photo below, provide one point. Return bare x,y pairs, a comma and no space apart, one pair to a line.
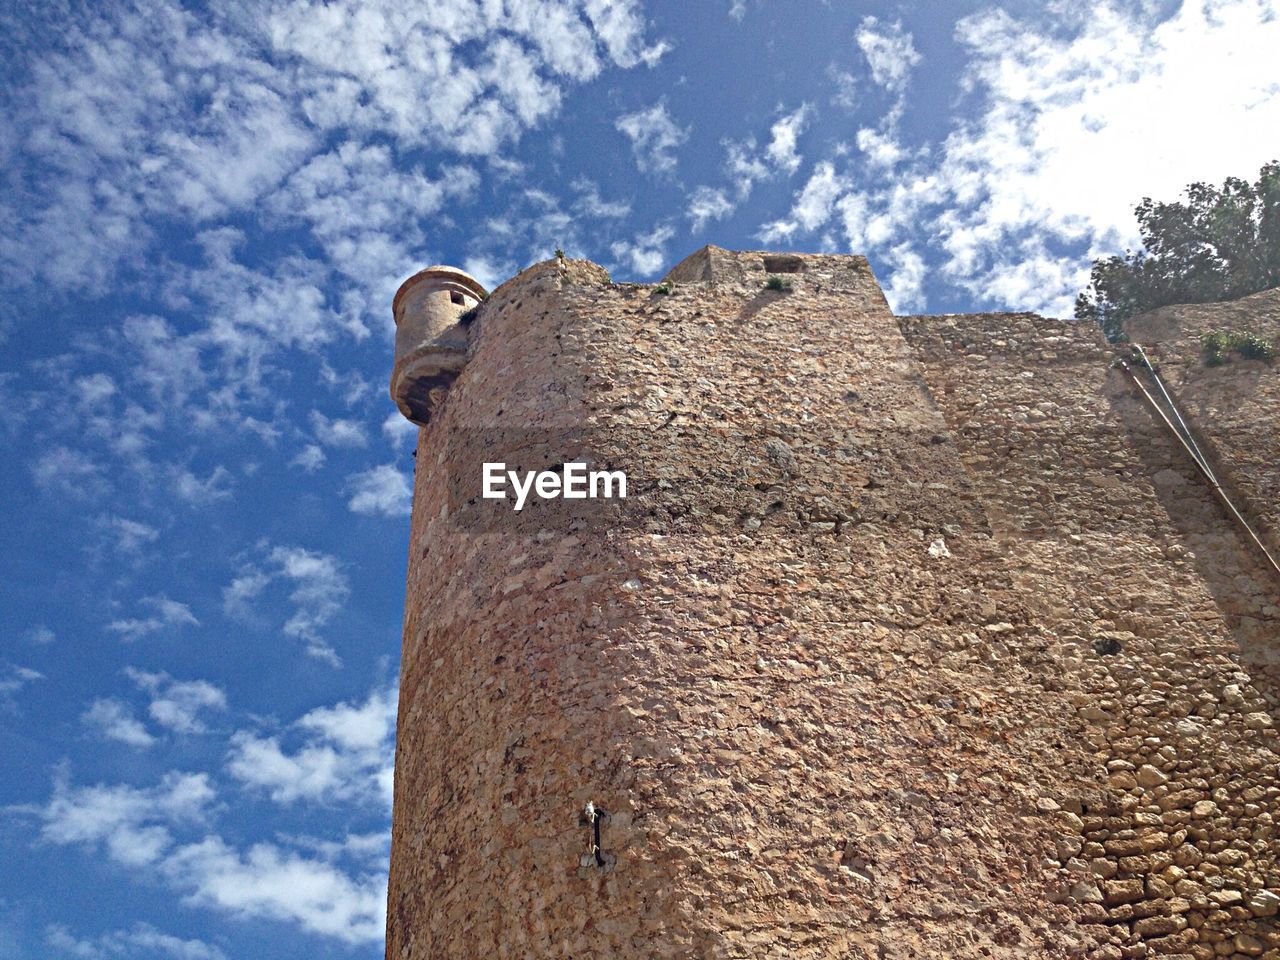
1217,244
777,283
1220,344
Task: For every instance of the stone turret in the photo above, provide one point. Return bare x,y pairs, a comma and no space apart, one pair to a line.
431,342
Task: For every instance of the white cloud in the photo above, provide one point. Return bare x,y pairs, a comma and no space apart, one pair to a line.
265,881
427,90
169,113
880,147
134,116
707,204
70,473
40,634
784,137
351,386
13,679
168,615
366,727
310,458
95,389
399,431
381,491
130,535
646,254
589,203
201,492
141,940
177,704
144,827
164,362
890,53
115,721
620,28
319,588
746,165
367,848
905,289
490,271
813,205
338,432
654,137
347,754
846,87
134,825
311,772
251,311
368,210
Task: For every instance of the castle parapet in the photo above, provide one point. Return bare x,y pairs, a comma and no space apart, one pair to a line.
431,342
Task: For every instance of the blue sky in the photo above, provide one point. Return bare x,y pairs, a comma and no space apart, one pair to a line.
206,214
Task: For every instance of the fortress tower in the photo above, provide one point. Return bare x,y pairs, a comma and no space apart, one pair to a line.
914,636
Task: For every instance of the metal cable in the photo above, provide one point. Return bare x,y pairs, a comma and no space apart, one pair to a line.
1186,431
1205,471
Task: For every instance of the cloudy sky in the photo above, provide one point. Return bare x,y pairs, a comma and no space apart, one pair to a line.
205,216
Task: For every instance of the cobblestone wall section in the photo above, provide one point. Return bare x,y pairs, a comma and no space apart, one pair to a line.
1235,411
1104,517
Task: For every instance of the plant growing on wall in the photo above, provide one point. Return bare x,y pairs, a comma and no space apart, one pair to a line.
1219,243
1220,344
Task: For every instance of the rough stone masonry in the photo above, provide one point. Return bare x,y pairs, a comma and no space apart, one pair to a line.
914,637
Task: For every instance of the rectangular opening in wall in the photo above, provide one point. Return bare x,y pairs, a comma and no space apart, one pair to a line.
783,264
457,298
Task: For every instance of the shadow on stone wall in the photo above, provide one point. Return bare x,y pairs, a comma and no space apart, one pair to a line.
1244,589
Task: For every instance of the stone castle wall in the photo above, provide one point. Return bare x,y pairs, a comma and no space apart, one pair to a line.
1133,566
914,638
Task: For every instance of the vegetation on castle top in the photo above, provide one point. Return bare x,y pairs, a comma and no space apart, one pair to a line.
662,290
1217,244
777,283
1220,344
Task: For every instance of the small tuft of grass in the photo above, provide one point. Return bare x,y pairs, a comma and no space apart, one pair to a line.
777,283
662,290
559,254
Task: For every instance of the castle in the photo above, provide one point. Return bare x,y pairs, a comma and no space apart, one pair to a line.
914,636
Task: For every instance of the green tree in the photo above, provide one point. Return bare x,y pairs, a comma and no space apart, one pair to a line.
1217,244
